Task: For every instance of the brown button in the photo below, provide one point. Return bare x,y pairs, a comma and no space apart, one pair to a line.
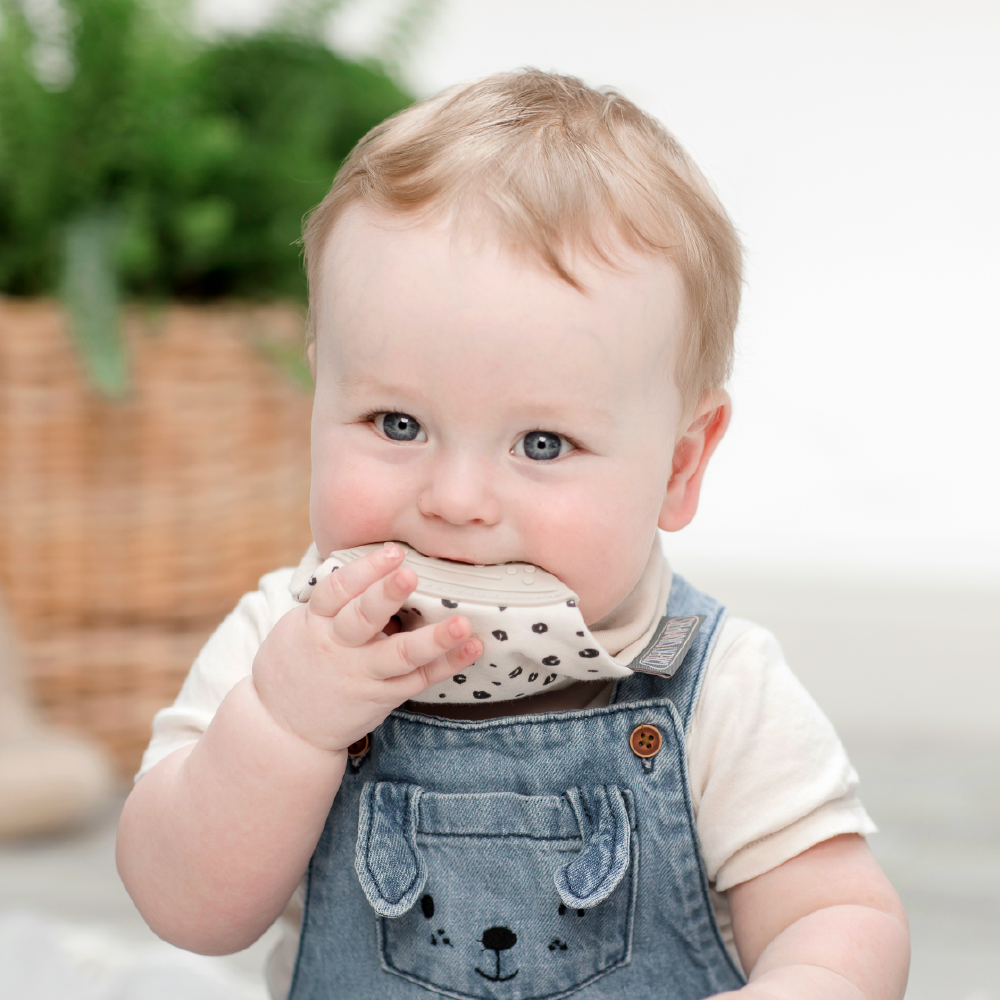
360,748
645,741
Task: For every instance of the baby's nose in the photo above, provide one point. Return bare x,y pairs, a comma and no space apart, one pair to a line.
460,492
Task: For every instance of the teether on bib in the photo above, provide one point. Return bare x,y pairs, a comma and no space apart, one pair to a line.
534,637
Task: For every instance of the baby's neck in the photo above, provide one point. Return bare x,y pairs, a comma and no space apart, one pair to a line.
575,696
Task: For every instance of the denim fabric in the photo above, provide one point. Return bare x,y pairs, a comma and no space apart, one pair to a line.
389,863
522,857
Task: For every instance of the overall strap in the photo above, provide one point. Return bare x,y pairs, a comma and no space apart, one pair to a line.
683,687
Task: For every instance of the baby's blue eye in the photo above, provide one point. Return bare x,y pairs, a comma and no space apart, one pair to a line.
399,427
542,446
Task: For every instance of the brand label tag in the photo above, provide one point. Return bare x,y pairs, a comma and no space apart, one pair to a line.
668,652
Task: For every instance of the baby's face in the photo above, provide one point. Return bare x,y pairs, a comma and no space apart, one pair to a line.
480,409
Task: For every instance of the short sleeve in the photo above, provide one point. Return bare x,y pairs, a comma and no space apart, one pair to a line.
769,776
224,660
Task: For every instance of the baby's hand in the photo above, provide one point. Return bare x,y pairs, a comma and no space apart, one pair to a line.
327,671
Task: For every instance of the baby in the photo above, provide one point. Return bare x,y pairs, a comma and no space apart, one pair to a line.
523,296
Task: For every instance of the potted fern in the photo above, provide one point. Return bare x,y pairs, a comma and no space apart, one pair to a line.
153,401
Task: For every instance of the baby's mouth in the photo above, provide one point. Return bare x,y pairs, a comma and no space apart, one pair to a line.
454,559
450,557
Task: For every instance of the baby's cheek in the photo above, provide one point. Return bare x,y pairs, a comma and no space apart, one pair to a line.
598,549
350,505
603,584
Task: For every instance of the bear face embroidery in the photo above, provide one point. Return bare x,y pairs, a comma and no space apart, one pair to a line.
499,880
497,940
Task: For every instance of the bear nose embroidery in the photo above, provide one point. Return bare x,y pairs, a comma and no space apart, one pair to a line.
499,939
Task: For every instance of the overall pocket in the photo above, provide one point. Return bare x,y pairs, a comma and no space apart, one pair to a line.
499,895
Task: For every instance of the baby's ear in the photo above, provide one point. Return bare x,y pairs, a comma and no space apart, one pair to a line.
691,454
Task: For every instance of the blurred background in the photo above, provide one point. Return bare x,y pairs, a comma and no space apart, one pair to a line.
155,162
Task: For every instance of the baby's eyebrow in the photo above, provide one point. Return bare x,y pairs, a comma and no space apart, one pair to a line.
359,382
540,410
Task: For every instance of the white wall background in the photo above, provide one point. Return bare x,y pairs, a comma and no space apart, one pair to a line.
855,145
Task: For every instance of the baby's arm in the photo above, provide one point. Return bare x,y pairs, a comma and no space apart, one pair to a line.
826,925
214,839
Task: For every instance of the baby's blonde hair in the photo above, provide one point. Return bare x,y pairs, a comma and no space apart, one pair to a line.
551,164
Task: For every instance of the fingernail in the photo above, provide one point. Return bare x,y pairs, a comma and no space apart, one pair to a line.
470,648
392,551
455,629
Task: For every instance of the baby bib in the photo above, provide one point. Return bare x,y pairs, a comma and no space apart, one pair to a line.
533,634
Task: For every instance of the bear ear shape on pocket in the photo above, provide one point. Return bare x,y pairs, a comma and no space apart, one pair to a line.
604,826
388,862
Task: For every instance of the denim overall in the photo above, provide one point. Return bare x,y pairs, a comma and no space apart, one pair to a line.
532,856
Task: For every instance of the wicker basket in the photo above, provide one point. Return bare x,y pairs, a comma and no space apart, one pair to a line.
127,530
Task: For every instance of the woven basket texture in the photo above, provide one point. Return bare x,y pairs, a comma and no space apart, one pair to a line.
129,529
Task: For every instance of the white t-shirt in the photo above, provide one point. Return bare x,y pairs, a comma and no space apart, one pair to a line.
769,777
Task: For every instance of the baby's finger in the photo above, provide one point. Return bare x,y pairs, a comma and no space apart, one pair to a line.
367,615
406,651
441,669
337,590
444,667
